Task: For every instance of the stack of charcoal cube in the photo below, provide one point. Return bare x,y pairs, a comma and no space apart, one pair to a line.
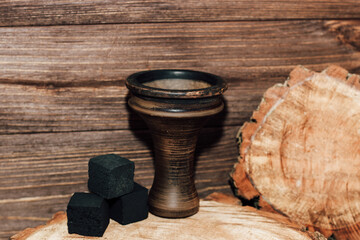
113,194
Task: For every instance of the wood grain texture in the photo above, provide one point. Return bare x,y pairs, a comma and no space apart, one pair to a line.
29,109
300,153
67,78
60,12
96,55
213,221
347,32
39,172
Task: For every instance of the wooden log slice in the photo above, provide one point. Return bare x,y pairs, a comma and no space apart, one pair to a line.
300,153
214,221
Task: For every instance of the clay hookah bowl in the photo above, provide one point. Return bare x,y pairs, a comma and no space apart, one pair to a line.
175,104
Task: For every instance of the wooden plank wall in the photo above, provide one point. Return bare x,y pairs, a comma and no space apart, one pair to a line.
63,65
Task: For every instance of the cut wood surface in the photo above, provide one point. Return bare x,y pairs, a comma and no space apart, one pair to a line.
60,12
213,221
300,153
71,78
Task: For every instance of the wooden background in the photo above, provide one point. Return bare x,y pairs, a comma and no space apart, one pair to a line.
63,65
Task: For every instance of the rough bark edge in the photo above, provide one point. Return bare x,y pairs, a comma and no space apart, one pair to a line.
269,100
272,97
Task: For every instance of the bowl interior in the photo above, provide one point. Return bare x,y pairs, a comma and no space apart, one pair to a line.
177,84
170,83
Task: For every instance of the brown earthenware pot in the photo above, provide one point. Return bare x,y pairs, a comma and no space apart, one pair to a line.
175,105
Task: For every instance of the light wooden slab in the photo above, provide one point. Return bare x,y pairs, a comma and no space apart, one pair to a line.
214,221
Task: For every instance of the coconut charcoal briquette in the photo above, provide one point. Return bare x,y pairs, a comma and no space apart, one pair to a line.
111,176
88,214
131,207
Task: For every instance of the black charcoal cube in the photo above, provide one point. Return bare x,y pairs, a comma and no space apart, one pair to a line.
88,214
111,176
131,207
